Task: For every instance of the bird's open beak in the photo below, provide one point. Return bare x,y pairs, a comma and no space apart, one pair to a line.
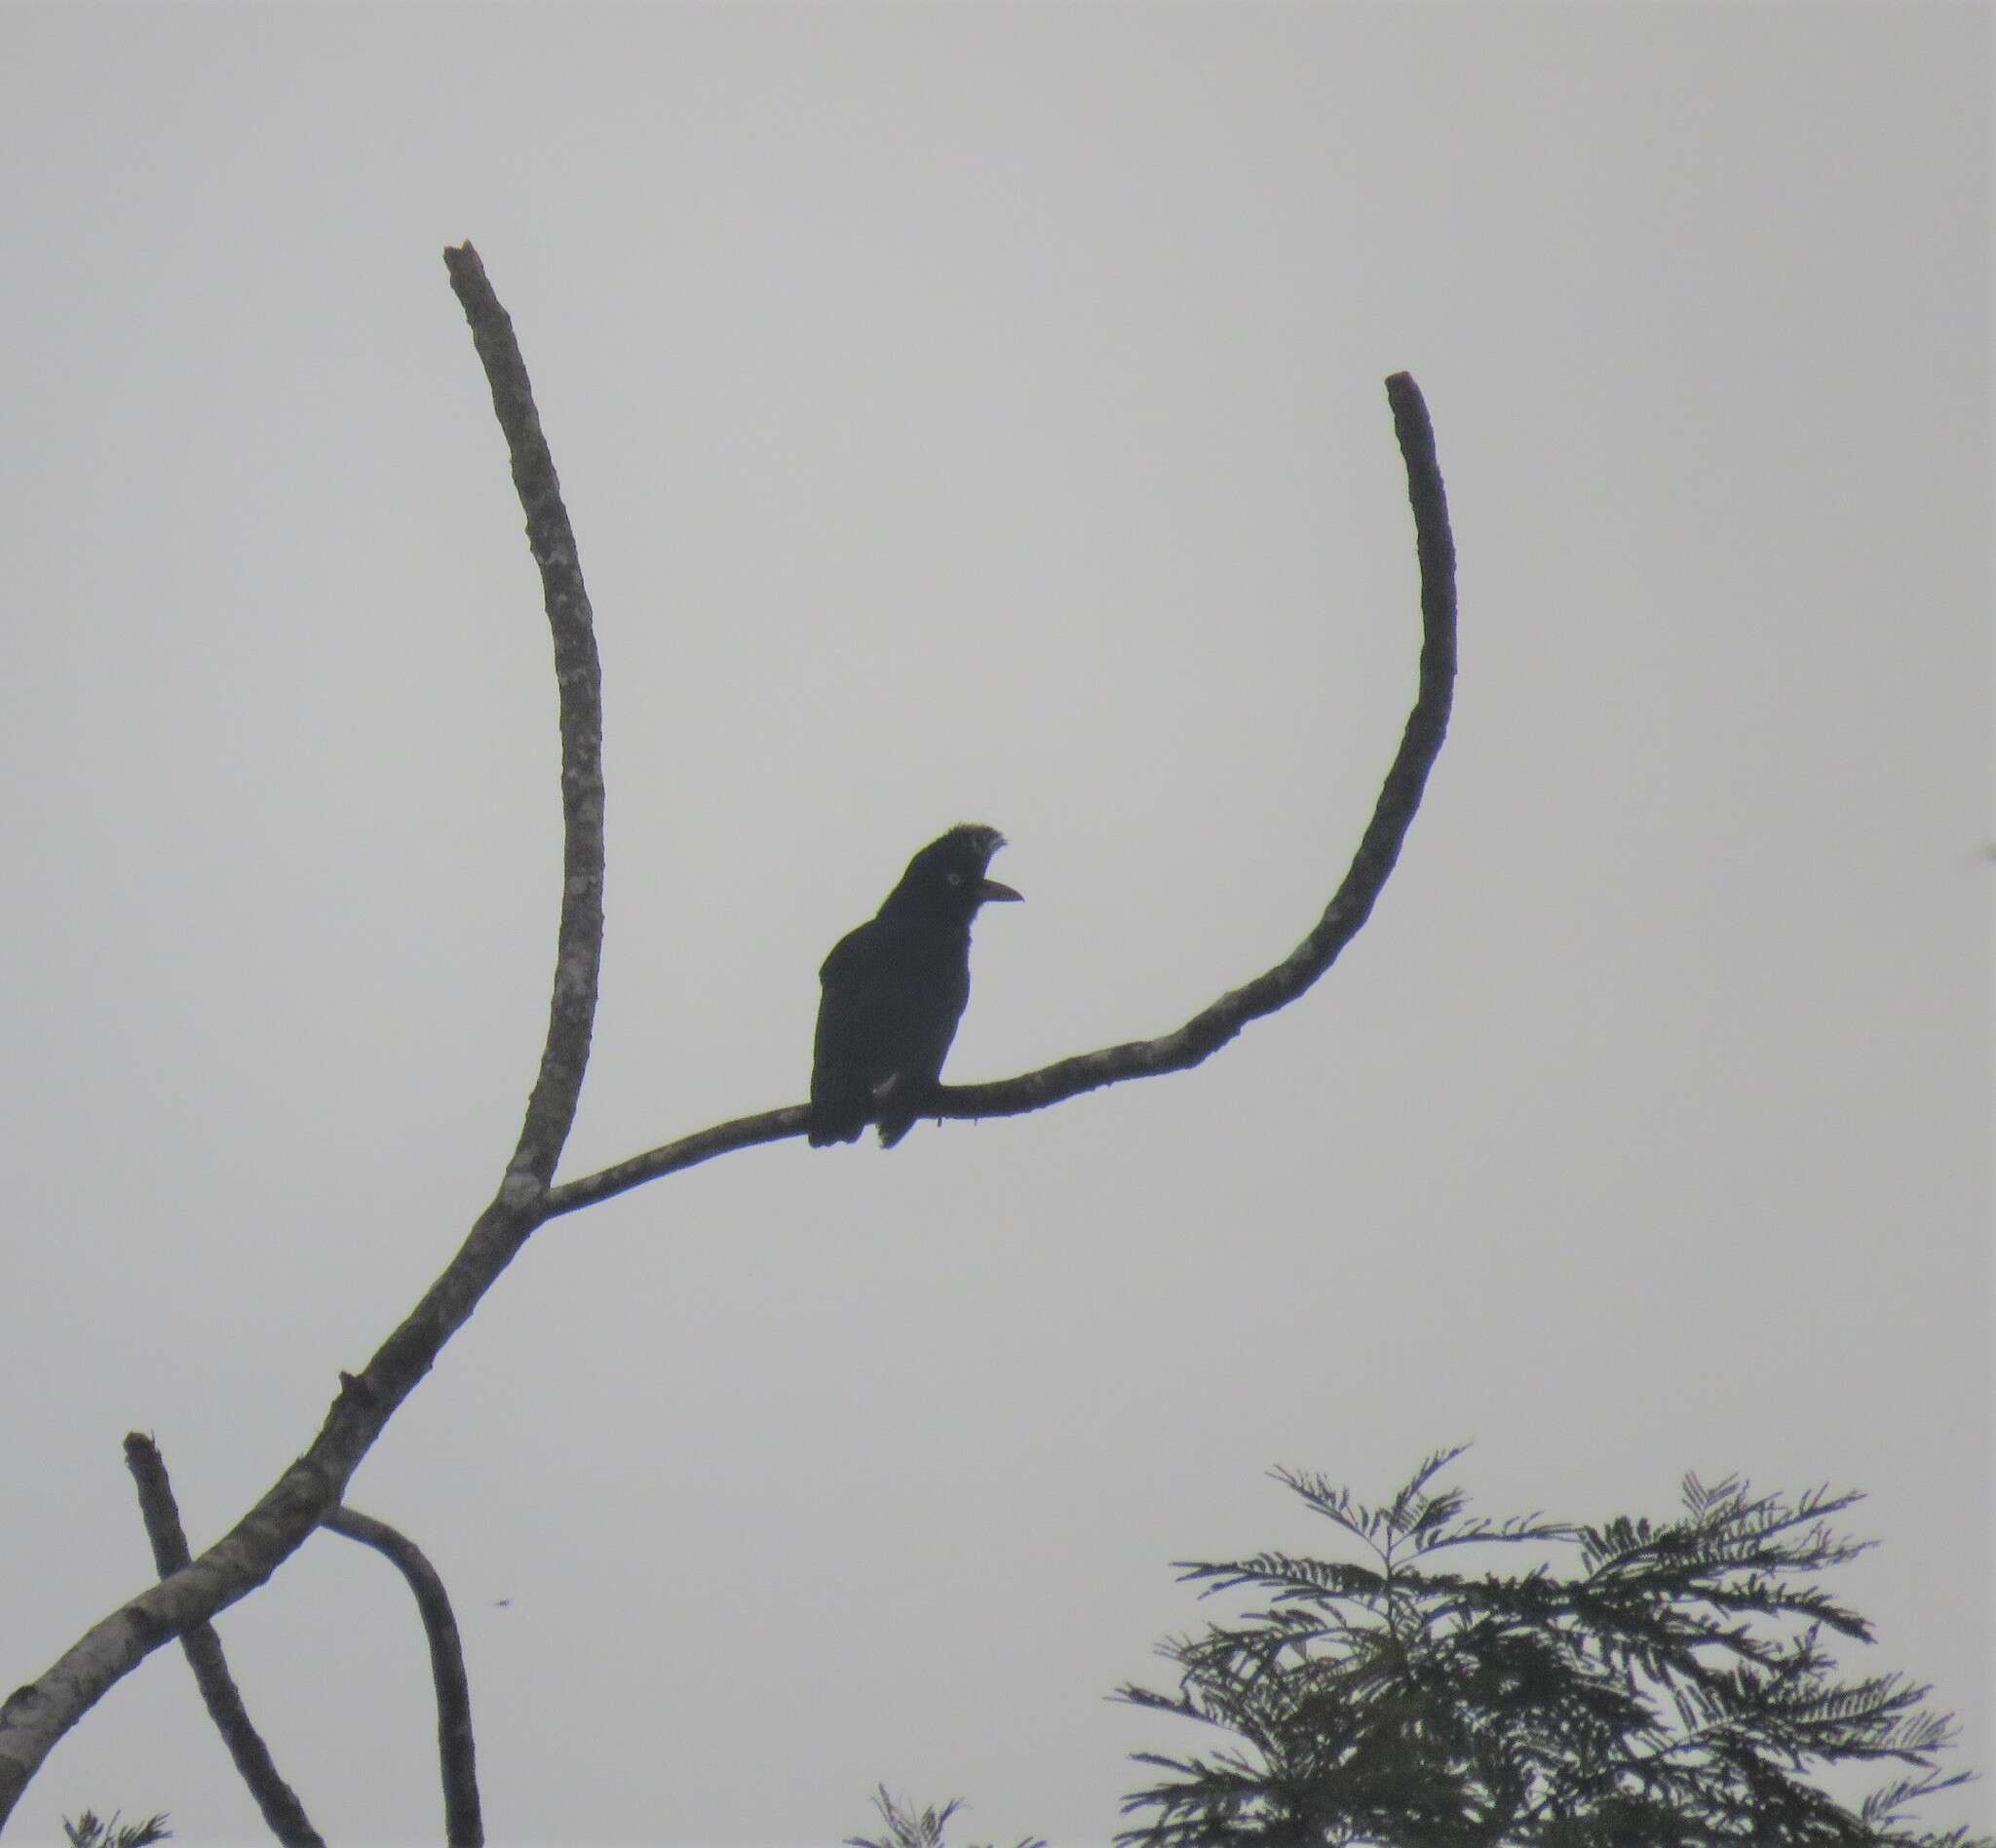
990,889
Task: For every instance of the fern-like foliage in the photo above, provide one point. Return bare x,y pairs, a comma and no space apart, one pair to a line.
910,1828
1641,1684
86,1832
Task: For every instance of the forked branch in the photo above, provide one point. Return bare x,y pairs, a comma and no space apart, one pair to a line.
1213,1025
36,1715
33,1718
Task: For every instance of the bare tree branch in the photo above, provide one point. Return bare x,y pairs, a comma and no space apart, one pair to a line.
579,675
1378,850
36,1715
33,1718
463,1825
689,1151
1207,1030
282,1811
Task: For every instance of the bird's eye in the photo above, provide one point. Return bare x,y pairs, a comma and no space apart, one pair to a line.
956,878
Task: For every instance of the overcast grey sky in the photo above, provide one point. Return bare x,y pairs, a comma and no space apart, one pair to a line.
974,413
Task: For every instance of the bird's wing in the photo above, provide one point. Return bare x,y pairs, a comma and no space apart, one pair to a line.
846,1055
893,994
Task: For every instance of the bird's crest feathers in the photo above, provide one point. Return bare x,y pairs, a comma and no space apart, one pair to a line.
945,872
976,835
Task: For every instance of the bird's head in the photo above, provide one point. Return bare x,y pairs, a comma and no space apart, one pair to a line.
945,881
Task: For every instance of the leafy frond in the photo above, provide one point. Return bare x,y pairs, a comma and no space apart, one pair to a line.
1282,1577
906,1827
86,1832
910,1828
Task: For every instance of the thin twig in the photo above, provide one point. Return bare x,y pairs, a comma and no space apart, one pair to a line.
282,1811
689,1151
1207,1030
463,1825
35,1716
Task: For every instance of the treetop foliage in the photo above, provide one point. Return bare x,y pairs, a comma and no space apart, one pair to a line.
1639,1684
910,1828
88,1831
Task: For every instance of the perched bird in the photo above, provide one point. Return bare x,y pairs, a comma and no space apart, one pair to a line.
895,989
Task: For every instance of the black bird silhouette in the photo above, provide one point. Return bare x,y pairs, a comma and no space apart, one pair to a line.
895,989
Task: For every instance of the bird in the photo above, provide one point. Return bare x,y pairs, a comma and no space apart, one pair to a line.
893,989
